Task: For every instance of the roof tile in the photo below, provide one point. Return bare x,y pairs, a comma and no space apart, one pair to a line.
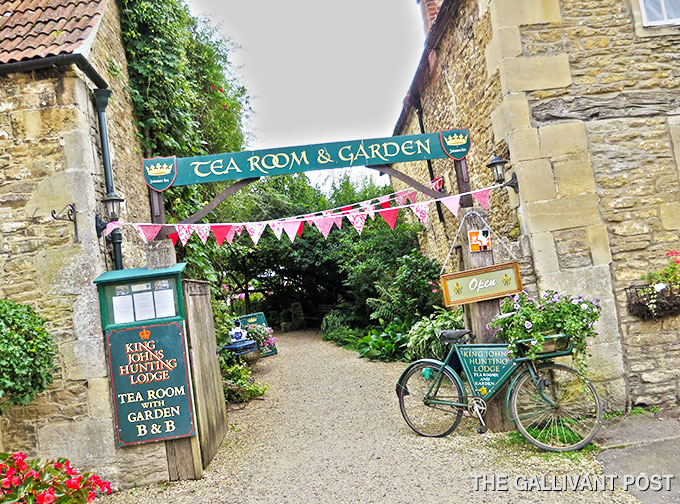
41,28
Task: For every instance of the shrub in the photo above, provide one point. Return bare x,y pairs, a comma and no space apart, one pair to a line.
26,352
343,336
424,336
34,481
387,343
237,383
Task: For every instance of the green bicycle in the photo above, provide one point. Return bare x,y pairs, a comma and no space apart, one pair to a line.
552,406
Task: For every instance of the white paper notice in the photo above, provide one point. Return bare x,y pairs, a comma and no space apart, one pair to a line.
165,303
122,309
144,306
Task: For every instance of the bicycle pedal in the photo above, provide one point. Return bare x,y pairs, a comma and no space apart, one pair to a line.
482,429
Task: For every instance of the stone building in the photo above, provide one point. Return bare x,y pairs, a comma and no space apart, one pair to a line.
583,98
53,56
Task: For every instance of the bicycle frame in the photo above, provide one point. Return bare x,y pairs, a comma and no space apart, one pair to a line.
487,368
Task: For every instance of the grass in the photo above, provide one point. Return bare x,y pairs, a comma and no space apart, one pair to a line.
639,410
515,439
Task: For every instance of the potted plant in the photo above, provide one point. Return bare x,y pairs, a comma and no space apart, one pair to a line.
264,336
660,296
547,324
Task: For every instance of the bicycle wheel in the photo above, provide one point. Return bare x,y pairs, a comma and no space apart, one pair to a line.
574,416
431,420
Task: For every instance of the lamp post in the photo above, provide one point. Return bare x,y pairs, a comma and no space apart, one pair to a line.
112,204
497,165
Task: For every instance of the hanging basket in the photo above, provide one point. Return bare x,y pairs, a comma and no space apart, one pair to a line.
647,303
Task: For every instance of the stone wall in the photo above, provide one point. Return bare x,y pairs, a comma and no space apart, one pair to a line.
50,157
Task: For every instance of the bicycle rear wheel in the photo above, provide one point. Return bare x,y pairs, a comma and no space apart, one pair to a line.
431,420
561,413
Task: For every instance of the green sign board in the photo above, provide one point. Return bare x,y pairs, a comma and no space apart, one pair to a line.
253,318
150,383
161,173
476,285
486,366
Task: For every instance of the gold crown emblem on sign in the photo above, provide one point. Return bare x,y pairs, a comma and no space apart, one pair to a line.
159,169
455,139
144,334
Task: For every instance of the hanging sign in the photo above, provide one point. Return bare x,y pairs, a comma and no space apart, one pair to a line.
150,383
261,163
479,284
480,241
486,366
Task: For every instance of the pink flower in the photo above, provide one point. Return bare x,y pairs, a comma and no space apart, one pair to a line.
434,290
672,253
74,483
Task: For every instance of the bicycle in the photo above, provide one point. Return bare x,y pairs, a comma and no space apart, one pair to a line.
552,406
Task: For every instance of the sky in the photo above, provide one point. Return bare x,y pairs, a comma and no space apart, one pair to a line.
321,70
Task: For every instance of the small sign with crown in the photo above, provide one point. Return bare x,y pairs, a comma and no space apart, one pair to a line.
160,172
455,142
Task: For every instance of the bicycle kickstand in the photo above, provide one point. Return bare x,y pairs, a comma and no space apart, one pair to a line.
482,428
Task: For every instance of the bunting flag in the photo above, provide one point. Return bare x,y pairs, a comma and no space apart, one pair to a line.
147,231
482,197
413,196
368,208
203,231
384,201
184,231
452,203
291,228
220,232
437,184
401,197
255,230
422,210
324,225
173,237
239,229
337,218
390,216
110,227
302,226
277,227
230,234
310,220
346,209
358,220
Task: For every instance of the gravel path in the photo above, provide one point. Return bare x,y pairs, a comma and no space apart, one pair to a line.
329,430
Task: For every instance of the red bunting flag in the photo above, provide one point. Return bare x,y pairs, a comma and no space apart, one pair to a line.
384,201
302,226
390,216
220,232
147,231
174,237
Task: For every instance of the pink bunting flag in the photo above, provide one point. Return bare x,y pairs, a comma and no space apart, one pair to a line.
413,196
310,221
337,218
368,208
230,234
239,229
358,220
452,203
422,210
184,231
277,227
148,231
324,225
110,227
291,228
384,201
482,198
255,230
390,216
401,197
437,184
220,232
203,231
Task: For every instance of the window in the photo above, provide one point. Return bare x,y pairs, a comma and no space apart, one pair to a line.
660,12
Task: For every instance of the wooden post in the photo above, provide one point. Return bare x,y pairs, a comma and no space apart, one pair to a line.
480,314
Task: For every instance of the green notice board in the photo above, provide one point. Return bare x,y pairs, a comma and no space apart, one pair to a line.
253,318
150,383
485,366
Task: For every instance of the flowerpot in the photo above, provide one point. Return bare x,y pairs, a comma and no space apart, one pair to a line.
251,357
653,301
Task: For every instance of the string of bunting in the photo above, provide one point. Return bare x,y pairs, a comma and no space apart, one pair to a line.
356,213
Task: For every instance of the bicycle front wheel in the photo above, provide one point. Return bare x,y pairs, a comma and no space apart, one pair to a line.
431,420
561,412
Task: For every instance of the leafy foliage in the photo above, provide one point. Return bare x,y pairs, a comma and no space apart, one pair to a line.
45,482
236,380
525,318
26,352
669,274
424,337
386,344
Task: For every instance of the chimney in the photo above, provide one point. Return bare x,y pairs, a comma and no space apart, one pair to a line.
430,9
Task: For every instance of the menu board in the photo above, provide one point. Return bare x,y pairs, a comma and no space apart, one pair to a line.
143,301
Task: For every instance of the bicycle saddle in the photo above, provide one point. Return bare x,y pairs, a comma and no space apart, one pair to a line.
456,335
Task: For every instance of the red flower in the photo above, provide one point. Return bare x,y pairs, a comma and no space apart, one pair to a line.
74,483
46,497
225,106
69,470
676,261
22,465
58,465
672,253
31,473
213,88
90,496
221,90
19,457
7,482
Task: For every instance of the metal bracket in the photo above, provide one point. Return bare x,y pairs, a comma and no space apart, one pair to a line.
513,182
70,216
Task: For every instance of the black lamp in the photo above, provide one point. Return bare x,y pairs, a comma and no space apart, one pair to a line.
112,204
497,165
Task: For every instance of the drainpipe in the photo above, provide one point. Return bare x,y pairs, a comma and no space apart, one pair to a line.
101,100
